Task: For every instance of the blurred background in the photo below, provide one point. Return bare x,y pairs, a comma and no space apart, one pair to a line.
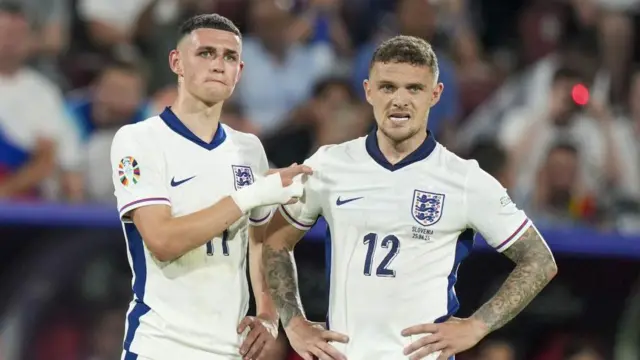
545,94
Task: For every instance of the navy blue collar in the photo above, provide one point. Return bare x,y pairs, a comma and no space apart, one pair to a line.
425,149
176,125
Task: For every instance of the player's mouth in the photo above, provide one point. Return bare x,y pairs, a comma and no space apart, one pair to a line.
400,116
215,81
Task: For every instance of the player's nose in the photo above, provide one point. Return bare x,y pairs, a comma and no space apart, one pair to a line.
400,100
399,103
216,65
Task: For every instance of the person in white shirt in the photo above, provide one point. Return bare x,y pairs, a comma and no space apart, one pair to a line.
187,187
38,145
402,212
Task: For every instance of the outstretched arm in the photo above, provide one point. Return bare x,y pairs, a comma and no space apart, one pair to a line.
535,267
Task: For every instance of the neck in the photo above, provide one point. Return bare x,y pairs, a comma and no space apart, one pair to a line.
396,151
202,119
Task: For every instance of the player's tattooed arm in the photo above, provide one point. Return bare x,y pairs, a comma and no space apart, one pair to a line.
282,279
535,267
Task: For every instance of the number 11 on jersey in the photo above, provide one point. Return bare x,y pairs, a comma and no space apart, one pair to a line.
390,242
225,244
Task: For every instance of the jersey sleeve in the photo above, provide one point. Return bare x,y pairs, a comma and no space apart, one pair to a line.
261,215
304,214
491,212
137,174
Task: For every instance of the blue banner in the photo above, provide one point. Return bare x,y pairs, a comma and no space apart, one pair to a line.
582,241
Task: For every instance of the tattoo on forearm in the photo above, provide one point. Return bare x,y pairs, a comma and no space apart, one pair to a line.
535,267
283,285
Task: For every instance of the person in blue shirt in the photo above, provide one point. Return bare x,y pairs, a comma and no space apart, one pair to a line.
117,97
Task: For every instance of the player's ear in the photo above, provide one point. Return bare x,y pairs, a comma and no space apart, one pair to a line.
367,90
436,93
175,63
240,71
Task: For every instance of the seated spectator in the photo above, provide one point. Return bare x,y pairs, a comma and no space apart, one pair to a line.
50,22
558,199
116,98
527,134
38,148
279,73
332,115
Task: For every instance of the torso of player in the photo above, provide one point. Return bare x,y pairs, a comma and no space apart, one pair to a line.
397,239
196,178
198,299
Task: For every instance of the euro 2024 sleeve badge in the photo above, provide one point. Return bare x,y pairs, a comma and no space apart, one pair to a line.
128,171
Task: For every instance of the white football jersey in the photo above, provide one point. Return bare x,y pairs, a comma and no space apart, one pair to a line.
188,308
397,235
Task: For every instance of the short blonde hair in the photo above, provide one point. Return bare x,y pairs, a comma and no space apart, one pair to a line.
407,49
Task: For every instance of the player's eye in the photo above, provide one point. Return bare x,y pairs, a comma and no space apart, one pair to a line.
230,57
415,89
205,54
387,88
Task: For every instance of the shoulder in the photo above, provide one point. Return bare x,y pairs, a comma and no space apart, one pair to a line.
463,174
348,151
247,144
143,133
453,165
242,139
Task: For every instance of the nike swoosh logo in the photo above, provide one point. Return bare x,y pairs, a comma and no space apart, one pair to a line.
342,202
175,183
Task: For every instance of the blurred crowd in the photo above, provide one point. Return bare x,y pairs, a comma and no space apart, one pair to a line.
544,94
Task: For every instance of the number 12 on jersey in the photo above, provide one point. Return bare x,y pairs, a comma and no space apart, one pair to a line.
225,244
390,242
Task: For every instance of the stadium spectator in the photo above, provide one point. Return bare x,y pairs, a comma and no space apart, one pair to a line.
333,114
50,23
279,72
112,23
116,98
559,200
528,133
38,148
320,21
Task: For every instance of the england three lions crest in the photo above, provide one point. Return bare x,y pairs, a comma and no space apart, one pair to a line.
427,207
242,175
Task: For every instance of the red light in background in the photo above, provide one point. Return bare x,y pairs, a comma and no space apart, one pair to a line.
580,94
